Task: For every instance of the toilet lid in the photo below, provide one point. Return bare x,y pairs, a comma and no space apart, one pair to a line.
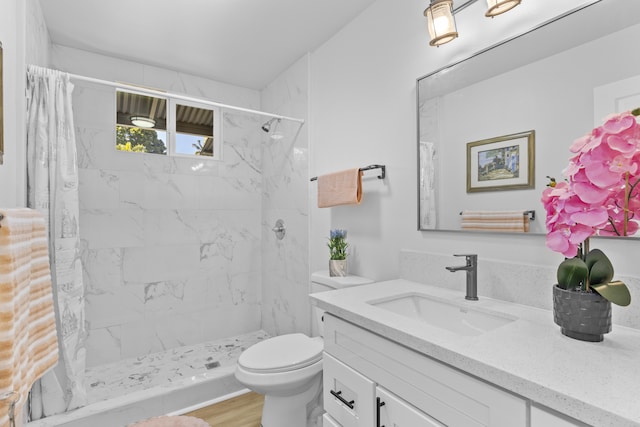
282,353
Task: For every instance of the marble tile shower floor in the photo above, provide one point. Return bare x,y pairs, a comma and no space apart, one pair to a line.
167,382
165,368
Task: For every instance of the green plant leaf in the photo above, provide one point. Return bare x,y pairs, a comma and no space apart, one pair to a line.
600,267
593,256
571,273
616,292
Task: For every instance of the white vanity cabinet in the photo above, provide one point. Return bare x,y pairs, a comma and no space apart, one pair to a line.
352,400
395,412
416,390
349,397
328,421
543,417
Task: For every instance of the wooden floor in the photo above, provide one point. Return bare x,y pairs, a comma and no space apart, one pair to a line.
241,411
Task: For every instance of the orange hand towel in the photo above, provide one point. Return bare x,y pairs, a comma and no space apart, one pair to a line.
340,188
28,340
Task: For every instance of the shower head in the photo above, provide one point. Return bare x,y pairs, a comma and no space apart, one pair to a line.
267,126
275,133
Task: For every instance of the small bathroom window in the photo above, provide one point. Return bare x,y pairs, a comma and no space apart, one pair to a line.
149,124
141,123
196,130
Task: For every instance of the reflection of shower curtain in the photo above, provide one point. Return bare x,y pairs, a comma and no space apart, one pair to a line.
428,216
52,185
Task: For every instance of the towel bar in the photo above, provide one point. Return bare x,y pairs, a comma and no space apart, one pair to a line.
383,171
531,213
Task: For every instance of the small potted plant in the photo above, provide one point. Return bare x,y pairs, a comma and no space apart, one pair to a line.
338,252
600,196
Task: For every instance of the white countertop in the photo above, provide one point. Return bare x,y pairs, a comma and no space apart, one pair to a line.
597,383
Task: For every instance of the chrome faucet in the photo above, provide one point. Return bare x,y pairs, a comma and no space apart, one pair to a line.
471,267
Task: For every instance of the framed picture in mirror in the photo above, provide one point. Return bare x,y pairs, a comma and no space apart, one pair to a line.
502,163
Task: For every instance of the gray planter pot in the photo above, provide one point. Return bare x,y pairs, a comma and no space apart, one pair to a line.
581,315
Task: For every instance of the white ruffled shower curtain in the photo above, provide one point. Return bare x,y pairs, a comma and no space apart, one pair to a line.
52,187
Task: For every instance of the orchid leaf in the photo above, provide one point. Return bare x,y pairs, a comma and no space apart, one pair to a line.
571,273
616,292
600,267
594,256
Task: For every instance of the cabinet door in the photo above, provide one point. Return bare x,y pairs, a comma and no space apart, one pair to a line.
542,417
395,412
349,397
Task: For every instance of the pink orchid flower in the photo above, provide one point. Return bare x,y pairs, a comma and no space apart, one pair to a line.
601,194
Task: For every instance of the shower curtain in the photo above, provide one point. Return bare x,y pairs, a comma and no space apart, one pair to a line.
52,188
428,211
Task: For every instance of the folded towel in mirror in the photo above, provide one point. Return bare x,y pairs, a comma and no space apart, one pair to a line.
511,221
340,188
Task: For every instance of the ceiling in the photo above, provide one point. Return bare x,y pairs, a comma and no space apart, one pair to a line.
242,42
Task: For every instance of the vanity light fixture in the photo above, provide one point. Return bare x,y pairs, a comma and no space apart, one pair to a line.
441,22
497,7
441,17
143,122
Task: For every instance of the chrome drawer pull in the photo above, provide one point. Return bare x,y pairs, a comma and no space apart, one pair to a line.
337,394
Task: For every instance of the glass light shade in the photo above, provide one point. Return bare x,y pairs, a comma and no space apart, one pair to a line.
440,21
496,7
143,122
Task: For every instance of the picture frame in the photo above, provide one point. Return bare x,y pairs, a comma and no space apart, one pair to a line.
502,163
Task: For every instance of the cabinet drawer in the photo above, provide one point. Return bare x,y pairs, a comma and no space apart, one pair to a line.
398,413
327,421
349,397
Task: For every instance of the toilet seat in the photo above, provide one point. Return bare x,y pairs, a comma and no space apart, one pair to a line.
281,354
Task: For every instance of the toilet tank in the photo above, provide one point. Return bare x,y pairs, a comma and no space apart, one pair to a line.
322,282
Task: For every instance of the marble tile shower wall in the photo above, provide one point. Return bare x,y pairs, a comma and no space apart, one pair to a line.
171,246
37,38
285,268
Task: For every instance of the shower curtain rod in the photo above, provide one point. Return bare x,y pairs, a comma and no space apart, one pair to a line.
181,97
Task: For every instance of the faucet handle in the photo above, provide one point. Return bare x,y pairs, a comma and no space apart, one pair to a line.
471,258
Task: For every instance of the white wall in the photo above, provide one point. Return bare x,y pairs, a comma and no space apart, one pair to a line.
25,40
363,110
12,36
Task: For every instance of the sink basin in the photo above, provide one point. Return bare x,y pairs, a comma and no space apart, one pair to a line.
460,319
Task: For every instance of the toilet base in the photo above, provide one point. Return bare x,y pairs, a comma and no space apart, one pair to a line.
291,411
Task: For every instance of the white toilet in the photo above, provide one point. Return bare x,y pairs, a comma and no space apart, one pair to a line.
288,369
